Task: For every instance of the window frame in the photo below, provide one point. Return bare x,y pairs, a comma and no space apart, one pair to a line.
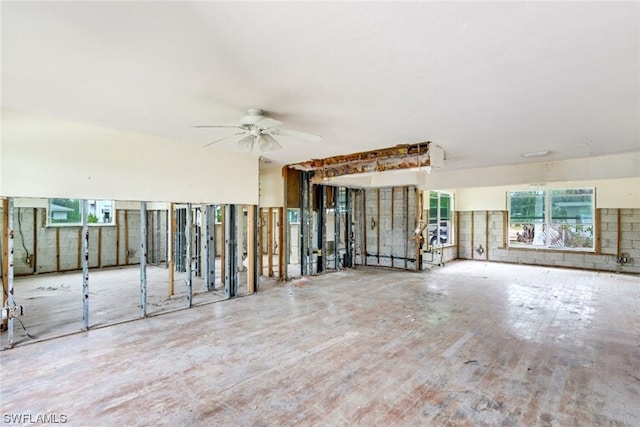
78,211
436,233
552,221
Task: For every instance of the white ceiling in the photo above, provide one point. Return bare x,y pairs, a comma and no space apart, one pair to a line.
486,81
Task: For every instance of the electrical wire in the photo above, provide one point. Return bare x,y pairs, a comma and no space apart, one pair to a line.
2,277
21,234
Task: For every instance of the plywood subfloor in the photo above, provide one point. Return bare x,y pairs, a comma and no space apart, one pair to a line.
469,344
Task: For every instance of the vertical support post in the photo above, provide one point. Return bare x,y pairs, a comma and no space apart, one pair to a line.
336,228
486,235
240,237
79,251
309,222
34,258
281,249
597,222
99,247
116,215
150,235
393,216
270,241
407,232
85,265
348,229
5,258
260,240
223,249
157,257
251,249
10,300
473,232
187,236
210,247
304,219
126,237
322,232
419,239
143,259
231,268
197,249
57,248
378,227
171,267
167,233
363,217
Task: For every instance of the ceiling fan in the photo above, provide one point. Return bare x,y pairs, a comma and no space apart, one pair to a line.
258,130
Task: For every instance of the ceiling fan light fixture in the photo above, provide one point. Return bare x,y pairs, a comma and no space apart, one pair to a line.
267,143
246,143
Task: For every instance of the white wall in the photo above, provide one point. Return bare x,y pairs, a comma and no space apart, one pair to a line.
586,169
44,157
621,193
271,188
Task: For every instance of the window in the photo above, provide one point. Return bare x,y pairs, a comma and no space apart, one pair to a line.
560,219
69,212
440,224
294,216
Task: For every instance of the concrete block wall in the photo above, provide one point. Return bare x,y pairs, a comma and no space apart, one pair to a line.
59,248
394,222
627,220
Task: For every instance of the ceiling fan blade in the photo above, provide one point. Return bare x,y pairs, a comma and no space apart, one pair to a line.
223,138
297,134
219,126
268,123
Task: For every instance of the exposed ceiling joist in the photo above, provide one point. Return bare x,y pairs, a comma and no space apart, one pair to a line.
404,156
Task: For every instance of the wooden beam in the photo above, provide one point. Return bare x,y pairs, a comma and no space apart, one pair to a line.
251,250
270,241
402,156
260,240
5,257
505,229
281,263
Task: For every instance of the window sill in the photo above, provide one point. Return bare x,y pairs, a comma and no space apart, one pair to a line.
77,225
552,250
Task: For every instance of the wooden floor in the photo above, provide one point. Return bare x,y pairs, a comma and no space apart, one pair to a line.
469,344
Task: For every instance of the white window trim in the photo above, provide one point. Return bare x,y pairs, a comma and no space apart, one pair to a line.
548,221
